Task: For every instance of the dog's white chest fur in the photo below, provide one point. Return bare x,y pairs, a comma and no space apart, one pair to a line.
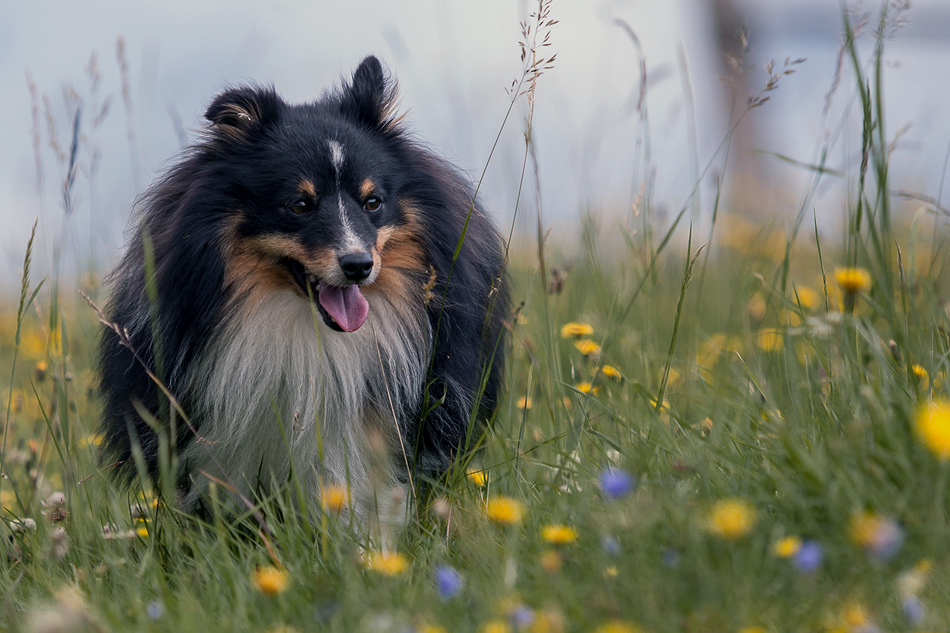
278,384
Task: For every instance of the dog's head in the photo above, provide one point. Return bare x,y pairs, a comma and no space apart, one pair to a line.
320,195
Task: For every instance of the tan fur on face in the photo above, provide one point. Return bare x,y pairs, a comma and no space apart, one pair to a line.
307,188
367,188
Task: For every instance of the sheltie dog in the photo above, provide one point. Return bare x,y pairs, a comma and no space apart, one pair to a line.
306,284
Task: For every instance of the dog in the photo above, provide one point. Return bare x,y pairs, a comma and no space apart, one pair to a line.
305,287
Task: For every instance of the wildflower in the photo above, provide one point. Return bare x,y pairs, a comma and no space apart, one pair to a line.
787,547
610,545
913,609
611,372
756,307
611,572
551,560
386,563
155,609
616,483
752,629
22,525
520,616
334,498
731,519
911,582
142,531
270,580
91,440
671,558
933,426
769,340
559,534
853,280
524,402
617,626
807,297
504,510
919,372
496,626
41,371
587,347
856,617
477,477
448,581
586,387
576,330
808,557
880,536
56,507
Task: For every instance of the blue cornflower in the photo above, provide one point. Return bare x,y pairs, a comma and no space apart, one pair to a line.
448,581
616,483
808,557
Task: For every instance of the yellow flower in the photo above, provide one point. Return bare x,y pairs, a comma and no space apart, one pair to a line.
855,616
142,531
770,340
386,563
617,626
551,560
558,534
477,477
731,519
524,402
807,297
91,440
496,626
586,387
611,372
919,372
431,628
933,426
587,347
787,547
611,572
576,330
270,580
756,307
853,280
752,629
504,510
334,498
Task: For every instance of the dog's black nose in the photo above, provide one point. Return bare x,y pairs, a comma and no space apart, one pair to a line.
356,266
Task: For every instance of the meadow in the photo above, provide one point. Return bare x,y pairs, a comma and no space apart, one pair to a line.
742,428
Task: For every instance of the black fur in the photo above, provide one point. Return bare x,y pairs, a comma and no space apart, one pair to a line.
243,172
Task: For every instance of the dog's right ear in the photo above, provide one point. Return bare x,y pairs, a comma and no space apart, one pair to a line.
238,111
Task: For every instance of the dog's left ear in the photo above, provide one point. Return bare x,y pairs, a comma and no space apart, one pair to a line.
239,111
370,98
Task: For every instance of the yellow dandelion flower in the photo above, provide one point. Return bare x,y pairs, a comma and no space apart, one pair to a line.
611,372
919,372
551,560
496,626
334,498
558,534
617,626
586,387
576,330
142,531
769,340
731,519
504,510
386,563
587,347
756,307
855,616
477,477
787,547
933,426
524,402
853,280
91,440
806,297
270,580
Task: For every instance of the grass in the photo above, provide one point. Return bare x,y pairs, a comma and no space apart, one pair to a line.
765,415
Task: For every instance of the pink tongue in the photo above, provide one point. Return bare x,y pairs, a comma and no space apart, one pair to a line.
345,304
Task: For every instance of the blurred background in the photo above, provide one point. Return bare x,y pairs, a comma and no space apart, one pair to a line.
143,74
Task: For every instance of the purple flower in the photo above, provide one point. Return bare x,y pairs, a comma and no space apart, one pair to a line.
611,545
913,609
155,609
808,557
447,581
521,617
887,540
616,483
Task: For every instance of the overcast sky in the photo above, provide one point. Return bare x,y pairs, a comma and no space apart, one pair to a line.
453,61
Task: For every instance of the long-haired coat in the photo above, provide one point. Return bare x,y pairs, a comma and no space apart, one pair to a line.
294,283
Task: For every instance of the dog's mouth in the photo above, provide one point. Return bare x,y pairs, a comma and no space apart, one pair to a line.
343,308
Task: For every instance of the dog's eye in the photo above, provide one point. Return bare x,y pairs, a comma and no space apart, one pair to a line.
300,206
372,204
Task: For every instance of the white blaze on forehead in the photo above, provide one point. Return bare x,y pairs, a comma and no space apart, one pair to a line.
351,241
